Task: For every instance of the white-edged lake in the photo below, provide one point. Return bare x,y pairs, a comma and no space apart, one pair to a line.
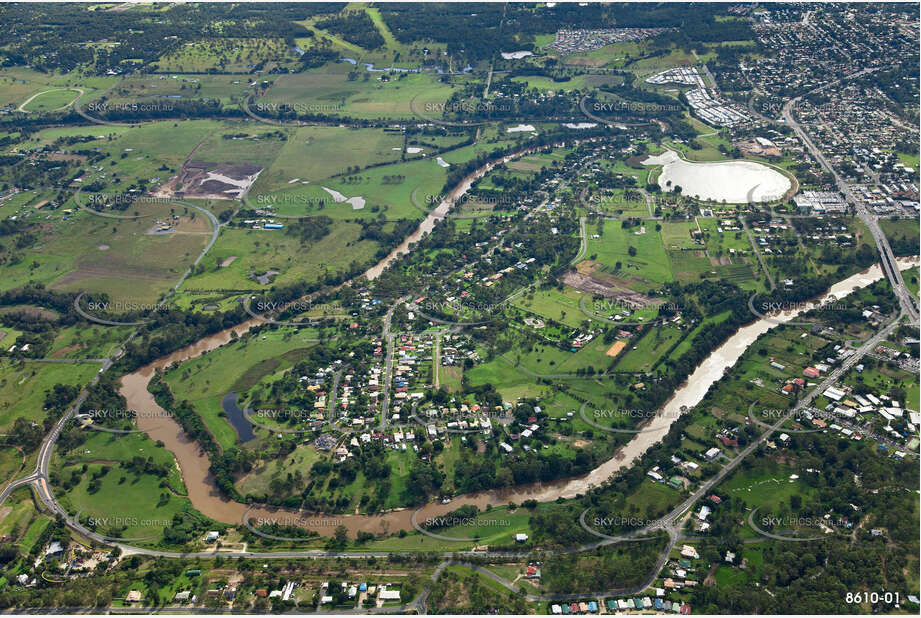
736,182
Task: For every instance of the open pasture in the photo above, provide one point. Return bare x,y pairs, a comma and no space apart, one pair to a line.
24,387
332,92
148,88
76,253
227,55
260,251
312,154
648,262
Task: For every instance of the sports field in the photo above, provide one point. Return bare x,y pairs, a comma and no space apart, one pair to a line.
50,100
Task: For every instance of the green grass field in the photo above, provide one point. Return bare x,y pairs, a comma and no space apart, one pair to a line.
313,154
76,253
51,100
911,278
677,235
165,89
33,533
23,387
139,502
102,445
259,251
387,189
205,380
510,381
578,82
686,343
12,463
649,265
331,92
561,306
94,341
648,349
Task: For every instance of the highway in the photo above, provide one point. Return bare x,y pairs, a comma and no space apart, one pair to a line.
870,219
668,522
38,480
671,524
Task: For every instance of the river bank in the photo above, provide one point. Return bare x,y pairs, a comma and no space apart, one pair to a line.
207,498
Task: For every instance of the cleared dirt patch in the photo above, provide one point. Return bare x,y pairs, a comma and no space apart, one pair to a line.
65,350
63,156
587,284
586,279
203,179
31,311
615,349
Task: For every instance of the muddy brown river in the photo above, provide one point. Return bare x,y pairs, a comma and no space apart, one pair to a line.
207,498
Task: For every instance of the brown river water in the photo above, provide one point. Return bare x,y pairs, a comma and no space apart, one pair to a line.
208,499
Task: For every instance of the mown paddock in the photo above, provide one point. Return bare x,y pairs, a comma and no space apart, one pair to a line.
389,189
243,143
689,265
141,152
149,88
47,136
677,234
648,349
554,305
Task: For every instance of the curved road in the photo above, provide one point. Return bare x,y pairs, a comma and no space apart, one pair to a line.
671,524
870,219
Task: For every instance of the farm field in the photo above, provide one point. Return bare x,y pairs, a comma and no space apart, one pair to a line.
378,308
387,189
648,265
161,92
76,254
312,154
580,82
257,252
329,91
25,386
